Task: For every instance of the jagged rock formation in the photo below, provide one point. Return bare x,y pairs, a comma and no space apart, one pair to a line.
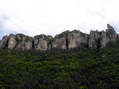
41,42
71,39
4,42
100,39
65,40
12,41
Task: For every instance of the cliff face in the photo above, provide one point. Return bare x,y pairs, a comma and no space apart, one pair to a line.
42,42
65,40
71,39
100,39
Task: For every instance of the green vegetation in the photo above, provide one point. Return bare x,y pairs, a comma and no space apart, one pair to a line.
60,69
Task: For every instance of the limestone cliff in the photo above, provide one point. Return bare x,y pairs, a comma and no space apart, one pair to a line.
65,40
70,39
41,42
100,39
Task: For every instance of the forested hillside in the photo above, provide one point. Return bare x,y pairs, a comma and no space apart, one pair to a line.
60,69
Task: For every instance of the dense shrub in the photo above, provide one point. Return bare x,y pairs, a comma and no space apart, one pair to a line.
60,69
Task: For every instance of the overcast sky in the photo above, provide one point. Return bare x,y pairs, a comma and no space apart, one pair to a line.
33,17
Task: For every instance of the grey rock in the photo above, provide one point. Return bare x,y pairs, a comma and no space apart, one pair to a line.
94,39
77,39
70,39
100,39
24,42
111,35
60,41
4,42
41,42
12,42
65,40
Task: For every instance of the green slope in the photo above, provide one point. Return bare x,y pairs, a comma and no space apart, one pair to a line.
60,69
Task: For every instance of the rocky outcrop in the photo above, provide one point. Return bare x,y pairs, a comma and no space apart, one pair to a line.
23,42
111,35
61,41
100,39
65,40
12,42
42,42
70,39
96,38
3,42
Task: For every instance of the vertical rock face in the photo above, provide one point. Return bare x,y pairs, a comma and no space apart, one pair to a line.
100,39
95,39
110,33
65,40
41,42
70,39
77,39
18,41
61,40
12,42
103,40
24,42
3,42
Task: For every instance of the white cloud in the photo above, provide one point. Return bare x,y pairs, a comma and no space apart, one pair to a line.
34,17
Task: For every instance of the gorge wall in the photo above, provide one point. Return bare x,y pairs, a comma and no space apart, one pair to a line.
65,40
